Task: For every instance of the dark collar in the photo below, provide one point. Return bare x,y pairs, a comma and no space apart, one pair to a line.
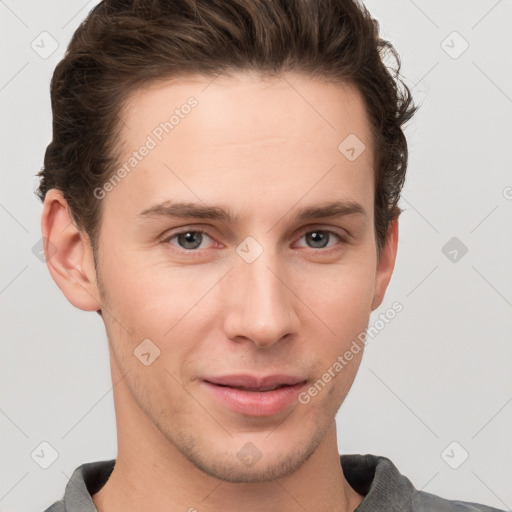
372,476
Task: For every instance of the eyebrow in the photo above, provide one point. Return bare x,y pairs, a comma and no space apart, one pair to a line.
174,209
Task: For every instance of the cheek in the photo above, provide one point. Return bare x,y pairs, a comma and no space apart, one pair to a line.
342,296
141,292
168,305
341,303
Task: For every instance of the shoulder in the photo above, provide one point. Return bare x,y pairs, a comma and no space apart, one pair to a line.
86,480
426,502
384,488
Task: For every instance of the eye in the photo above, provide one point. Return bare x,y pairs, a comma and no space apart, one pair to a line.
319,238
192,240
188,240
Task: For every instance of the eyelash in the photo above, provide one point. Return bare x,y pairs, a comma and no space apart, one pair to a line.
342,239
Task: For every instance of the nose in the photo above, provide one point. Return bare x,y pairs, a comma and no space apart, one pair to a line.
260,303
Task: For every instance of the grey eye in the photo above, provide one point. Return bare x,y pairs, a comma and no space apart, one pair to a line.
189,239
318,239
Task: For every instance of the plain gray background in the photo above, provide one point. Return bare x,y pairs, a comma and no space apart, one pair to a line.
435,383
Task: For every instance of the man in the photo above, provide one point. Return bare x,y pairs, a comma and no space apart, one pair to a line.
222,188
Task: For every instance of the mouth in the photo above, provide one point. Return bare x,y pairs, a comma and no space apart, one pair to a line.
255,382
257,389
244,395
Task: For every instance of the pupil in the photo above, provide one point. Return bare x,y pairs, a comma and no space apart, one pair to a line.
318,235
187,239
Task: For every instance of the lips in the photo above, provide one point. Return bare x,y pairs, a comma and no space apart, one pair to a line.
255,383
252,395
259,389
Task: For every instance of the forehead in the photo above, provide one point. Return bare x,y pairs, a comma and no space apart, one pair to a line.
247,106
275,139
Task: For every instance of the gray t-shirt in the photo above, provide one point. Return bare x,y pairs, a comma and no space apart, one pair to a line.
376,478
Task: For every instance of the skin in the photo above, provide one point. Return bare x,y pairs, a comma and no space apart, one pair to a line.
256,146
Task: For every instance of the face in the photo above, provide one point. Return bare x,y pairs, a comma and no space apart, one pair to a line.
264,284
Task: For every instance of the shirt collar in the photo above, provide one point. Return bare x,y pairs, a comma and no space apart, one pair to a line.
374,477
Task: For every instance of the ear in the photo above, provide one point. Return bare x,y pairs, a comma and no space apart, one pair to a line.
386,264
68,253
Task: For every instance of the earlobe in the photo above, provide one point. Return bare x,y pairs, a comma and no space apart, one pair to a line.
386,264
68,253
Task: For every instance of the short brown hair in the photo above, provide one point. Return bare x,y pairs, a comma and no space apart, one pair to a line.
123,45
